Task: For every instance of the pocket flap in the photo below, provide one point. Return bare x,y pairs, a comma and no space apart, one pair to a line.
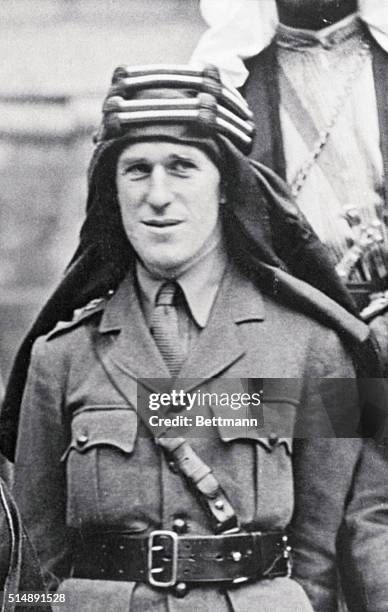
275,426
269,443
102,425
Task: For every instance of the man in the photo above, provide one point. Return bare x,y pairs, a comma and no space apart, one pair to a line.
318,94
127,513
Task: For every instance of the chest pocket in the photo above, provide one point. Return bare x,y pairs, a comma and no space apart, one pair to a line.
102,442
103,425
271,446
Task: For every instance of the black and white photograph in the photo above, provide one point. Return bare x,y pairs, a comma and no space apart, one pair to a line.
194,305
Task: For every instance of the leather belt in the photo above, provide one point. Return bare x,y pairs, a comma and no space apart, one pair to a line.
164,558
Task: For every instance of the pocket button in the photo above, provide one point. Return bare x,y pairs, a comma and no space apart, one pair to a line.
180,589
273,439
82,439
173,467
179,525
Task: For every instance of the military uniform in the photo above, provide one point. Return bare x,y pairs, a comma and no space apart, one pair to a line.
82,466
94,488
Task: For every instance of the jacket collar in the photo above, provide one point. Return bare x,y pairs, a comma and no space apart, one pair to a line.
331,36
199,284
133,353
237,294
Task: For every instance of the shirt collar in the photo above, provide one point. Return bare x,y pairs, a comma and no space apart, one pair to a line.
199,284
333,35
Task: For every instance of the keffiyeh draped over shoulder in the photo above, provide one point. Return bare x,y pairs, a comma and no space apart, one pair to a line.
239,29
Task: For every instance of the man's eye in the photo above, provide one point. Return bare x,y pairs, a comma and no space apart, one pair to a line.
182,166
137,171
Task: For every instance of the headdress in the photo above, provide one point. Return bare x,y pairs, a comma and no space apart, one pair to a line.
148,100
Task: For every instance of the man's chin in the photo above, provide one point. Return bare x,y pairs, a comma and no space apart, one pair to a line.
166,266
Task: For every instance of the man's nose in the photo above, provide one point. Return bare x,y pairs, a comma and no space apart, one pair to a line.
159,193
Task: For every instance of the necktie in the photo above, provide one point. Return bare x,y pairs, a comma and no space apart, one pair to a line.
165,328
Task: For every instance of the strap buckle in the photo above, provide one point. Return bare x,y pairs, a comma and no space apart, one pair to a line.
162,558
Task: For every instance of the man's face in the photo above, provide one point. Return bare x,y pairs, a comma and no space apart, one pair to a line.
309,4
169,200
314,11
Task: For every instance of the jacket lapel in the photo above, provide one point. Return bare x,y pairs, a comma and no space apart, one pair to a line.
128,354
124,344
220,344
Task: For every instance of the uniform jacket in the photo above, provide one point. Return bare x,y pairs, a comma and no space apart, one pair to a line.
82,464
365,527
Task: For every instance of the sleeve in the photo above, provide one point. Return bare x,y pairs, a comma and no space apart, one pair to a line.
363,544
39,482
379,329
324,468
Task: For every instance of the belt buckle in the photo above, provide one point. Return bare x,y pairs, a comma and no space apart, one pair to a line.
156,550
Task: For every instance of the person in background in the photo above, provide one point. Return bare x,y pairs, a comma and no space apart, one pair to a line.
19,566
315,73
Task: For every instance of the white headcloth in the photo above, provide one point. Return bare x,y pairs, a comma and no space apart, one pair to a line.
239,29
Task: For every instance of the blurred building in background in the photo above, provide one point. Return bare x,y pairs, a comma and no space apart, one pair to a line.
57,60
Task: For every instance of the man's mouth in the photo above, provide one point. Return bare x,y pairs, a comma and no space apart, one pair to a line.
165,222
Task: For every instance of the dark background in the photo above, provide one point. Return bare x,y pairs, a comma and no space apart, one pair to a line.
57,57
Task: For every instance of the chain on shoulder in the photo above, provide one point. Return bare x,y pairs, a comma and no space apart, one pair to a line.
304,171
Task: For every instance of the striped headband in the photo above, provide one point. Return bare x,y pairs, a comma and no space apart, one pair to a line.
201,99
